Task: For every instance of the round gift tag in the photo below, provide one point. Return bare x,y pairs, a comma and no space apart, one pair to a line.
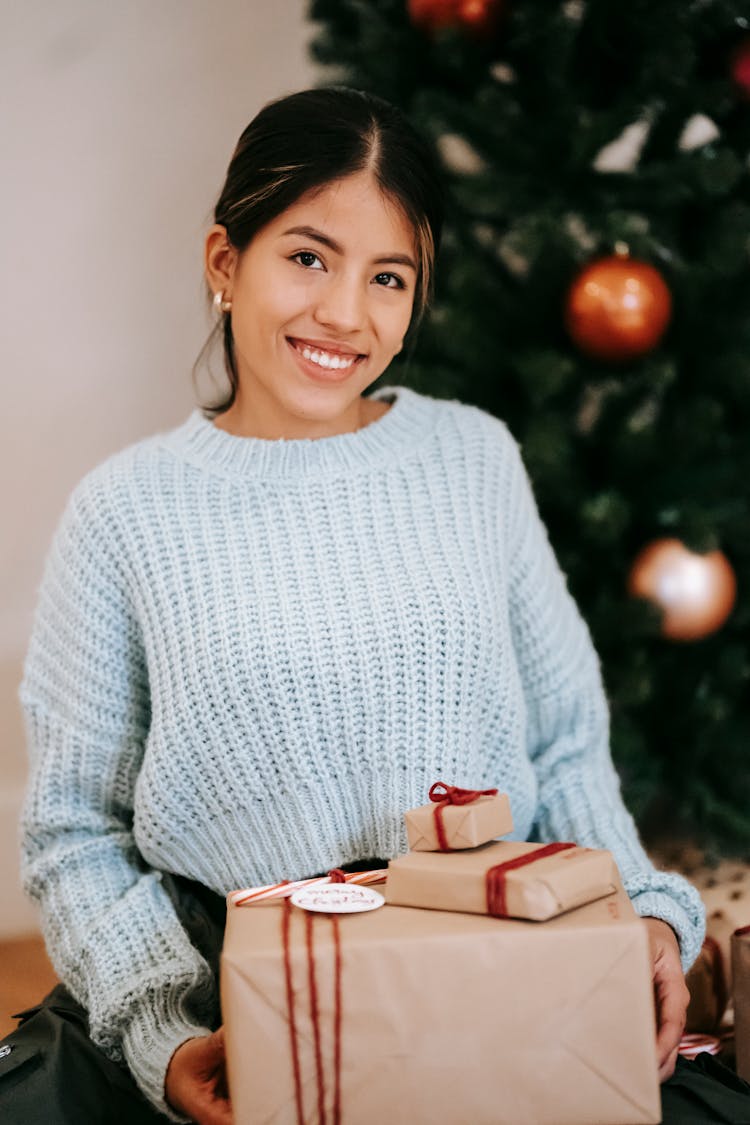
337,898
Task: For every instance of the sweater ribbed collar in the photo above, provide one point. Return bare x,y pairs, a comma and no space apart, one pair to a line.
407,423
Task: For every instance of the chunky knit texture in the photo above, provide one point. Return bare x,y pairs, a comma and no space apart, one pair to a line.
250,657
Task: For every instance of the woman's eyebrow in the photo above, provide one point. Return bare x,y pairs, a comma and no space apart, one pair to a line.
318,236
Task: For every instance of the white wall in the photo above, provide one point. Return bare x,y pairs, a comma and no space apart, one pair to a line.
118,122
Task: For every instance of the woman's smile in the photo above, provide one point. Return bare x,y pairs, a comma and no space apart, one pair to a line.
327,366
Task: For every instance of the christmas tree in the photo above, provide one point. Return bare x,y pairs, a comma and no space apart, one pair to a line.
602,137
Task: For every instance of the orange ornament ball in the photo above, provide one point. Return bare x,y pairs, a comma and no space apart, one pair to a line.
618,309
695,592
739,66
480,18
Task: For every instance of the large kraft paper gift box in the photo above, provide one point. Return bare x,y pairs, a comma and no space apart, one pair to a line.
456,1019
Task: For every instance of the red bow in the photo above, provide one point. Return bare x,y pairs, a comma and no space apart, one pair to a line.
455,795
444,795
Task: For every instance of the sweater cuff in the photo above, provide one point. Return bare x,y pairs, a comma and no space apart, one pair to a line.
690,932
148,1045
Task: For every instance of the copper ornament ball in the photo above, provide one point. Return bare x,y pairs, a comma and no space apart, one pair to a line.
480,18
617,308
695,592
739,68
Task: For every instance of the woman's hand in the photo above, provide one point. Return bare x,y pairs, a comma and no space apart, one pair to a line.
670,994
196,1082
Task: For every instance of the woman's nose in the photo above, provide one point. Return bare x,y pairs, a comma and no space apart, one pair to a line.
341,304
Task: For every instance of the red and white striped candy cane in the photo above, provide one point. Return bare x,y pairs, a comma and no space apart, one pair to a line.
250,895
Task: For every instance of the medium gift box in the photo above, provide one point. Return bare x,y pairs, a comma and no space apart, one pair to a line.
419,1016
741,995
458,818
517,880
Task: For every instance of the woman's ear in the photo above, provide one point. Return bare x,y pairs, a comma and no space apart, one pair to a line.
220,261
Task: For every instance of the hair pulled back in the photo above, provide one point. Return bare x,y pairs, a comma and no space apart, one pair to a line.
312,138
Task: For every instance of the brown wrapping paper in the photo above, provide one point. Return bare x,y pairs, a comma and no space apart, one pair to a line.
706,982
741,993
726,895
540,890
448,1018
721,923
466,826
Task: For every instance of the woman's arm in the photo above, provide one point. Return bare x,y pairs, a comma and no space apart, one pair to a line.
568,724
111,929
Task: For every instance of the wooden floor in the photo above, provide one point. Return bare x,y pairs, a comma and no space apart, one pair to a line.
25,976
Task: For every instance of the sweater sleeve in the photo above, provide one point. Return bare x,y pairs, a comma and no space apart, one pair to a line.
568,724
111,930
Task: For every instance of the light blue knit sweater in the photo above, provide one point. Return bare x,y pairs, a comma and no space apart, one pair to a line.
250,657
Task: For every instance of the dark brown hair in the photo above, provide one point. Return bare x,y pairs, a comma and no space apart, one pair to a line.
304,141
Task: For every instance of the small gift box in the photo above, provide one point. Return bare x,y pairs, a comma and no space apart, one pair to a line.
741,993
458,818
427,1017
507,880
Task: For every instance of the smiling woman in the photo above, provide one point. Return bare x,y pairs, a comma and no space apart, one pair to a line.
261,636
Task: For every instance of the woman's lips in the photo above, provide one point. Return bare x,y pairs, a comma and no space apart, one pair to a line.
315,371
330,347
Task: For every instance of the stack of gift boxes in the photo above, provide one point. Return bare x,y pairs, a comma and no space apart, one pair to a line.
501,983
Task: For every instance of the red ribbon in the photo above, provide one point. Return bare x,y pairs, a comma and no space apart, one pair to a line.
336,876
445,795
495,877
286,916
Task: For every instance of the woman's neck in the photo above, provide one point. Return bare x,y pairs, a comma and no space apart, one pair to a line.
243,419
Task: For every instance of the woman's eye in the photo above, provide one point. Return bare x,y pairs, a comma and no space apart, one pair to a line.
306,254
392,277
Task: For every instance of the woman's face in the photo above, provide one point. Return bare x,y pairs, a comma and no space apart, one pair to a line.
321,300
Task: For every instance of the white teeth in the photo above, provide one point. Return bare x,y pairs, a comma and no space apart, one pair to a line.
325,359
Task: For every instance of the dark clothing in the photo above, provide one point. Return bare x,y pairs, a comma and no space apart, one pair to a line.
54,1075
704,1091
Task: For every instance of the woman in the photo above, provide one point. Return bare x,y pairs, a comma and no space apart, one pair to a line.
262,635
